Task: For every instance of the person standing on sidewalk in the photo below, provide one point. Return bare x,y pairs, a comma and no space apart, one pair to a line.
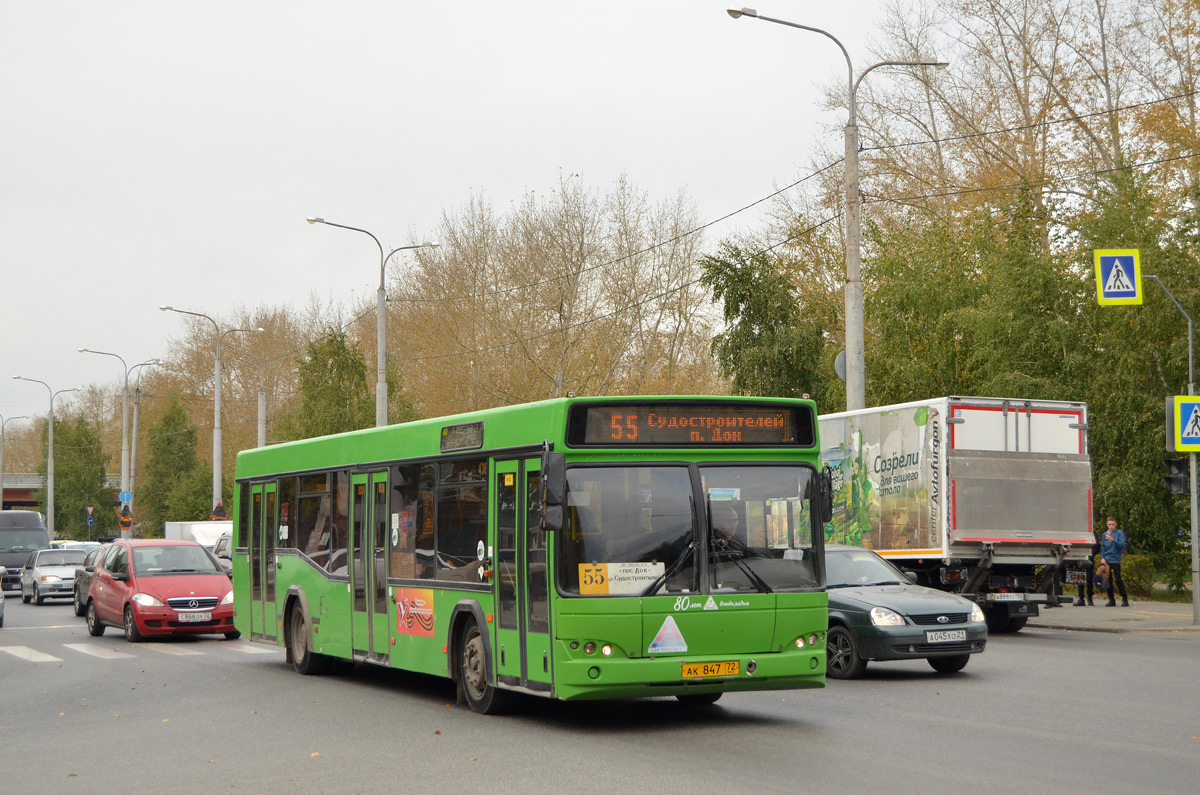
1090,567
1112,549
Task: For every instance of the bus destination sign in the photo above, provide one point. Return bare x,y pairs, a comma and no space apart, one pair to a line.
691,425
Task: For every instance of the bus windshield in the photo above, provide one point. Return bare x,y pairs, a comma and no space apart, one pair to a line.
633,530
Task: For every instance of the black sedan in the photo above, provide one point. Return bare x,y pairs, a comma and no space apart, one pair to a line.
83,578
877,613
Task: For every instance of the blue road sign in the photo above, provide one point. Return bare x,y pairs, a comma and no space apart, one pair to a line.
125,496
91,520
1118,276
1187,423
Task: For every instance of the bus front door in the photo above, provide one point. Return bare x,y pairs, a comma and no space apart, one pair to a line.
263,529
368,571
522,642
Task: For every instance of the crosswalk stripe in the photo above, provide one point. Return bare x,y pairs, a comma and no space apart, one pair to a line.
246,647
26,653
178,651
98,651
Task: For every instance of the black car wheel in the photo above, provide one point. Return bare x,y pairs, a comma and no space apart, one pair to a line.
80,605
131,631
25,598
38,599
95,627
841,655
948,665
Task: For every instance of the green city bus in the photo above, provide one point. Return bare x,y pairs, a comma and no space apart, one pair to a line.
575,548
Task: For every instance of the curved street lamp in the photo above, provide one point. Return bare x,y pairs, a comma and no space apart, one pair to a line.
125,458
855,361
380,317
49,448
216,480
4,424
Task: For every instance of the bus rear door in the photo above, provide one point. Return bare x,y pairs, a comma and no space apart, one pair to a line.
368,572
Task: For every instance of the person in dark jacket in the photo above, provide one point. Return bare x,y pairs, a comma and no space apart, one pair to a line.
1091,565
1112,549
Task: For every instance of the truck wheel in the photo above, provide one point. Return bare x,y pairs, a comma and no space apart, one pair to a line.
842,660
475,677
304,659
997,619
1016,623
948,665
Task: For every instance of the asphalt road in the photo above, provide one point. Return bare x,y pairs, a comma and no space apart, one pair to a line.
1046,710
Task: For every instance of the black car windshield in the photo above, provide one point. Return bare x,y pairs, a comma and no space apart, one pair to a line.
174,559
847,568
21,540
61,557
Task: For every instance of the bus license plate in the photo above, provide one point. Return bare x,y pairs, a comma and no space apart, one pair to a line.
195,616
702,670
945,635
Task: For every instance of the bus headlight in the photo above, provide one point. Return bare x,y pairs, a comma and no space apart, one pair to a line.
882,617
606,649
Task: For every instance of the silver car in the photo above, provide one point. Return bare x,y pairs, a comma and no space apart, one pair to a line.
50,572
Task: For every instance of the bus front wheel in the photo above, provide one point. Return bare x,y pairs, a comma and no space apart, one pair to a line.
304,659
473,672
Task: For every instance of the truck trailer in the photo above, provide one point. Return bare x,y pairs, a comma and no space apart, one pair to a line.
990,498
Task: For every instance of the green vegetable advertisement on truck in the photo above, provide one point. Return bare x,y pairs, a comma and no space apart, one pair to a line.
989,498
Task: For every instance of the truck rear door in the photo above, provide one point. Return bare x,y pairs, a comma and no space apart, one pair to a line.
1019,473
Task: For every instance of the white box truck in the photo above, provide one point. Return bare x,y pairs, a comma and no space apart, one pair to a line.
989,498
206,533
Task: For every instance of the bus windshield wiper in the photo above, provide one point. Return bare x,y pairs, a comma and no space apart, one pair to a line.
669,570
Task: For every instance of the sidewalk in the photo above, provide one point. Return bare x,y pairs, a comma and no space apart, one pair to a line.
1140,616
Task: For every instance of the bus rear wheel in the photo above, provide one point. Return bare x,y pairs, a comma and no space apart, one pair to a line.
304,659
474,675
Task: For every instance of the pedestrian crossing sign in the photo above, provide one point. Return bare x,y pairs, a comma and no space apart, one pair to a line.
1118,276
1187,423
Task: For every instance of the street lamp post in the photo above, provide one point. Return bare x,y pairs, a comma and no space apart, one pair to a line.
856,379
49,448
124,419
133,436
216,481
4,424
380,317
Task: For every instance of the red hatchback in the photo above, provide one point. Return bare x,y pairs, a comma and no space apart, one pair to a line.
155,586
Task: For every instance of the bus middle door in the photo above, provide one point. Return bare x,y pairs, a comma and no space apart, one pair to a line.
368,570
263,539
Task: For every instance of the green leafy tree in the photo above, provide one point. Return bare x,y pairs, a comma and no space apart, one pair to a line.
170,473
80,480
769,347
190,499
335,395
1139,358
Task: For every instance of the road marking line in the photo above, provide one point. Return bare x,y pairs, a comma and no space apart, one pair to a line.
178,651
97,651
26,653
247,648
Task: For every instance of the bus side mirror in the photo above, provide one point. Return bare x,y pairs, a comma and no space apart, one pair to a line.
825,495
554,490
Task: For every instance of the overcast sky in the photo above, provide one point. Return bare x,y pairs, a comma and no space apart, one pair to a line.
168,152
